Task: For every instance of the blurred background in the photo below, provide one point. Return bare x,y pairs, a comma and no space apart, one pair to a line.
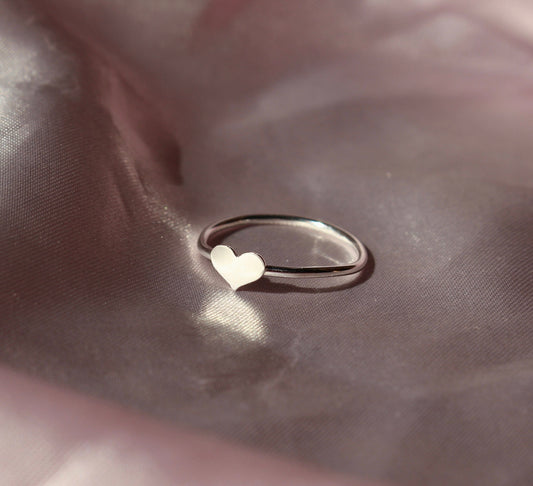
126,127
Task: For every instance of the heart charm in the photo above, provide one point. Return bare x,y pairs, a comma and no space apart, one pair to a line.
237,270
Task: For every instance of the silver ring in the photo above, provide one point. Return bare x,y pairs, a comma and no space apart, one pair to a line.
249,267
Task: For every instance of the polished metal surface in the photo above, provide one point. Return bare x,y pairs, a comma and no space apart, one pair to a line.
237,270
211,232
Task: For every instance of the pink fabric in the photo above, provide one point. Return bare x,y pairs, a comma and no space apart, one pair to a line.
57,438
125,127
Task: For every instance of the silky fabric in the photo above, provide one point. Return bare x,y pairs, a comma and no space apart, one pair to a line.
126,127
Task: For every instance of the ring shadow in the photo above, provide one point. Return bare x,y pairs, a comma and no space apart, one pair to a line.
268,286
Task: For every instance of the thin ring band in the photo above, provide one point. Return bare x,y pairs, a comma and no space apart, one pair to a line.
233,224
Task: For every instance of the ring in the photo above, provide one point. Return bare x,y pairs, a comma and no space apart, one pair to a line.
249,267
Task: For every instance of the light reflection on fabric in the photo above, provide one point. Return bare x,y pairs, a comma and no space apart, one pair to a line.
227,310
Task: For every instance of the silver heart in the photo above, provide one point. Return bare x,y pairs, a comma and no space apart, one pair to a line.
237,270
